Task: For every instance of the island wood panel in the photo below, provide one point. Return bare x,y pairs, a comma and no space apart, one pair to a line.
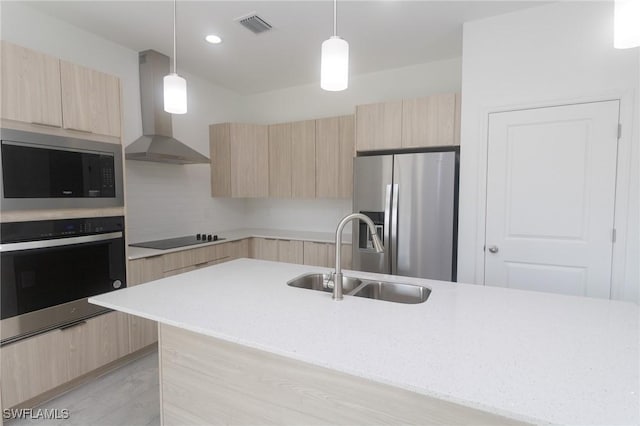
327,157
249,160
205,380
303,159
280,160
429,121
347,152
379,126
290,251
30,84
76,102
220,154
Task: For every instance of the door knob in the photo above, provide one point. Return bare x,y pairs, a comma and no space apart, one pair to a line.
493,249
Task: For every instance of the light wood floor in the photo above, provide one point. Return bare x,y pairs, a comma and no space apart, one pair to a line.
126,396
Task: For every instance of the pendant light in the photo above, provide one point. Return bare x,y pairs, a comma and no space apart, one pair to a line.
334,62
626,24
175,87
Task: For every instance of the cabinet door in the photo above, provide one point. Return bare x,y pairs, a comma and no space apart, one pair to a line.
104,99
239,249
327,157
317,254
290,251
144,270
97,342
143,332
30,86
264,248
220,154
33,366
429,121
347,151
249,160
90,100
345,256
280,160
379,126
76,100
303,159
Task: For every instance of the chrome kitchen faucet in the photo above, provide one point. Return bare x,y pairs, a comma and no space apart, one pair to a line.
377,245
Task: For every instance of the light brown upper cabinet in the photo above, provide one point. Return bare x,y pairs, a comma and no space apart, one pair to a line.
280,166
43,90
292,165
239,160
334,157
430,121
303,159
412,123
90,100
30,86
379,126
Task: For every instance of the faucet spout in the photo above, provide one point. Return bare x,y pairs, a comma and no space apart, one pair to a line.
377,246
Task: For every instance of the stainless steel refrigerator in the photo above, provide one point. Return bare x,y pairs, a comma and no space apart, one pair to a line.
413,200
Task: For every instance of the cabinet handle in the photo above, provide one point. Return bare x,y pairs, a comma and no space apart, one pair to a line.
37,123
78,130
199,265
73,324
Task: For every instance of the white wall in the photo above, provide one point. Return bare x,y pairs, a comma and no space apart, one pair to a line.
541,56
162,199
309,101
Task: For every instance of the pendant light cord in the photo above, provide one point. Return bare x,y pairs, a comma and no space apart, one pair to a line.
335,18
175,56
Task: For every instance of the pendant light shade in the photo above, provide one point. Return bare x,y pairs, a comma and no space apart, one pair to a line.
175,94
175,87
334,59
626,24
334,64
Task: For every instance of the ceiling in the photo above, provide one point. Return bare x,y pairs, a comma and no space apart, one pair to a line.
381,34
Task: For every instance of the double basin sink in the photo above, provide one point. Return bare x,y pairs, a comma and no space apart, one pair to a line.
371,289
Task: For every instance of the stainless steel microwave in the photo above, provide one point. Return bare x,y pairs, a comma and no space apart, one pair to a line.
42,171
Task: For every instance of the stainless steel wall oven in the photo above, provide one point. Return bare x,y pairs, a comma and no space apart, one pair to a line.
52,172
51,267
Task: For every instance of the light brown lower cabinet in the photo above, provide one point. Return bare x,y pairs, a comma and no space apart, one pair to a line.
277,250
33,366
324,254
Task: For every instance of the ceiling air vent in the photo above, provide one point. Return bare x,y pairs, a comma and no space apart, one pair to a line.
254,23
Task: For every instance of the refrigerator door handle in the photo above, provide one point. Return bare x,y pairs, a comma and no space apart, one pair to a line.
387,230
394,230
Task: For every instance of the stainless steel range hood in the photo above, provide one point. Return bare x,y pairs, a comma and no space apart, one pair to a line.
157,142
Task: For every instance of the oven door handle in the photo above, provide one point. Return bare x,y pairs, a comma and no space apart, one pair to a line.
58,242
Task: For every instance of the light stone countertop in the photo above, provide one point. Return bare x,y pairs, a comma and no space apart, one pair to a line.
532,356
240,234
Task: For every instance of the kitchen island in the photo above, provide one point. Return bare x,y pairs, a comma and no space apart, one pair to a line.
479,354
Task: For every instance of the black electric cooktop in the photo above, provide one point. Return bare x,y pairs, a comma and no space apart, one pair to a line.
169,243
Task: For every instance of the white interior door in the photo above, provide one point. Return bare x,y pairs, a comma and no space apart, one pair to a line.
550,198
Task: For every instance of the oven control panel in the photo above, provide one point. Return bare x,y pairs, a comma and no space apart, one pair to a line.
13,232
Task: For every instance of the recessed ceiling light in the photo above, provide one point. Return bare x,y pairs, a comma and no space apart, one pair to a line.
213,39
